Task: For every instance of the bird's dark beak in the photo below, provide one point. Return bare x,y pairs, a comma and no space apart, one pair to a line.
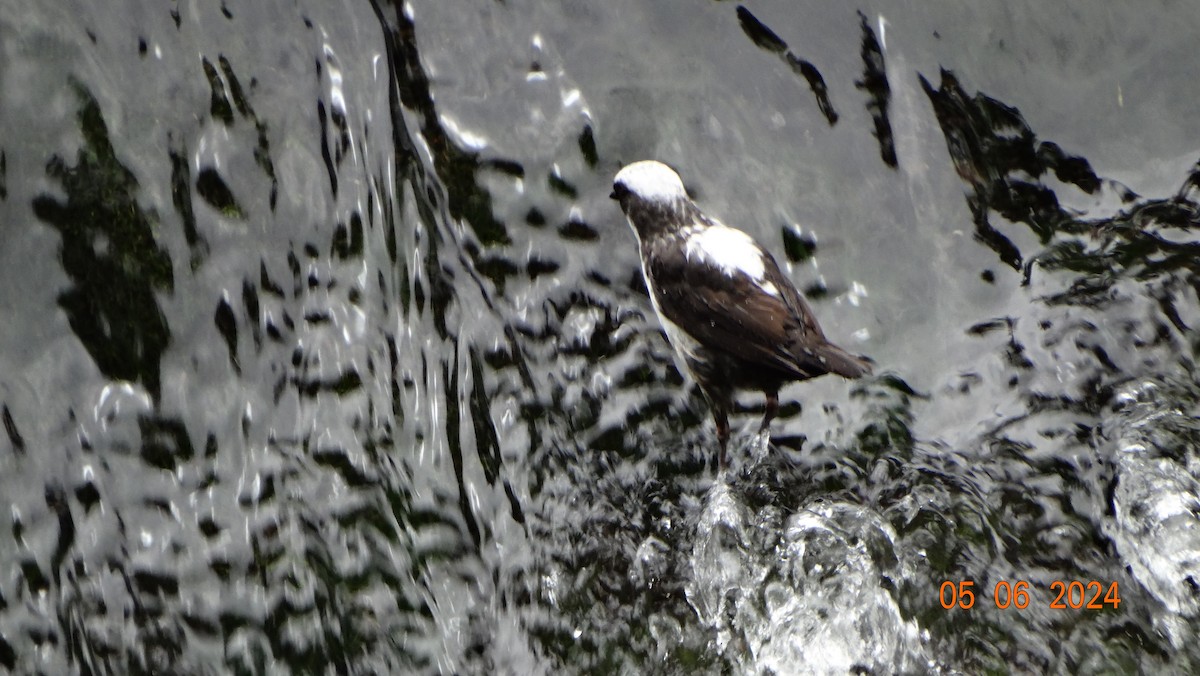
613,195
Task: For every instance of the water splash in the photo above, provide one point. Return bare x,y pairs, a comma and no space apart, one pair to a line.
1154,438
806,593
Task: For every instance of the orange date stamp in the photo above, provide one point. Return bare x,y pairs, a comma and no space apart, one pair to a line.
1076,595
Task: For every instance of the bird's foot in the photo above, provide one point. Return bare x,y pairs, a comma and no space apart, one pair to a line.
760,446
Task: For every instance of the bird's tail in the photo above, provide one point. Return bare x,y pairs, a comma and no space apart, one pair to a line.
842,362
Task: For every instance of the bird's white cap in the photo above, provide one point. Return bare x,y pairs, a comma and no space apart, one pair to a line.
652,181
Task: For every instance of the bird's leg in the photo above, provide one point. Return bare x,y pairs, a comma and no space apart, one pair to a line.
721,417
772,408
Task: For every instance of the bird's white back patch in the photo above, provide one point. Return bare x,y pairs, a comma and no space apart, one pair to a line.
652,181
731,250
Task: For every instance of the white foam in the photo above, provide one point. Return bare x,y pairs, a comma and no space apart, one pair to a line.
731,250
651,180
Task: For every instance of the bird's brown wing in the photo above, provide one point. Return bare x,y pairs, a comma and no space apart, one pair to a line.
810,341
738,317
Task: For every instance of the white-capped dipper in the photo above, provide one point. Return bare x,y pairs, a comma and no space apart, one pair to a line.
734,320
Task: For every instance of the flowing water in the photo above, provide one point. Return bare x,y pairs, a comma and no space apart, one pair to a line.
322,348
